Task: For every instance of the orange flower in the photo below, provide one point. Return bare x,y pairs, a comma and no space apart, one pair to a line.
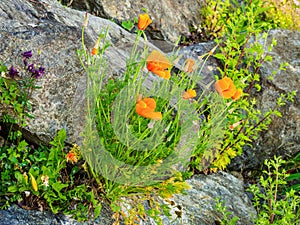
189,65
237,94
190,93
158,64
225,87
146,107
72,157
96,46
94,51
144,21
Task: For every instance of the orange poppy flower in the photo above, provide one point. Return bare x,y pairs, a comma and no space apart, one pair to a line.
146,107
144,21
96,46
190,93
72,157
94,51
225,87
158,64
237,94
189,65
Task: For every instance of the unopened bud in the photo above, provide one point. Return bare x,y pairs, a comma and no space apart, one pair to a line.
86,18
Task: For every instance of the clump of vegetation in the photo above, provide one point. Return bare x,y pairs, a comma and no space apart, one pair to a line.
283,14
226,217
141,144
274,204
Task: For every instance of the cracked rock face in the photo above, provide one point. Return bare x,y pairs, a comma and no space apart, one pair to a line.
170,18
56,31
282,138
198,206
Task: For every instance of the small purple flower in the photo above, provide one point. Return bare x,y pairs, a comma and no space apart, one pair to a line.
31,68
12,72
27,54
40,72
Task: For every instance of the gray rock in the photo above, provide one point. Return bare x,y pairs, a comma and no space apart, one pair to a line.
209,69
15,215
282,138
56,31
198,206
170,18
195,208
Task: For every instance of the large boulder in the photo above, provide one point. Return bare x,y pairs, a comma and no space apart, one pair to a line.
199,205
16,215
56,31
170,18
282,138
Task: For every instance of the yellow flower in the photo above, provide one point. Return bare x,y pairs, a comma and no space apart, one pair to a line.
33,182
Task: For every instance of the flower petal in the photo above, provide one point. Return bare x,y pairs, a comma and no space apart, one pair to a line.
189,65
153,115
144,21
146,107
190,93
158,57
225,87
237,94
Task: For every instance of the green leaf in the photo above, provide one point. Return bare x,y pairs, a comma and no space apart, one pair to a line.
220,56
3,68
293,177
12,189
128,25
296,187
97,210
58,186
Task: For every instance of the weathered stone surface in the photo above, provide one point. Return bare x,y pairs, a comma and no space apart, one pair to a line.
18,216
209,69
283,135
56,31
197,207
170,18
31,25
